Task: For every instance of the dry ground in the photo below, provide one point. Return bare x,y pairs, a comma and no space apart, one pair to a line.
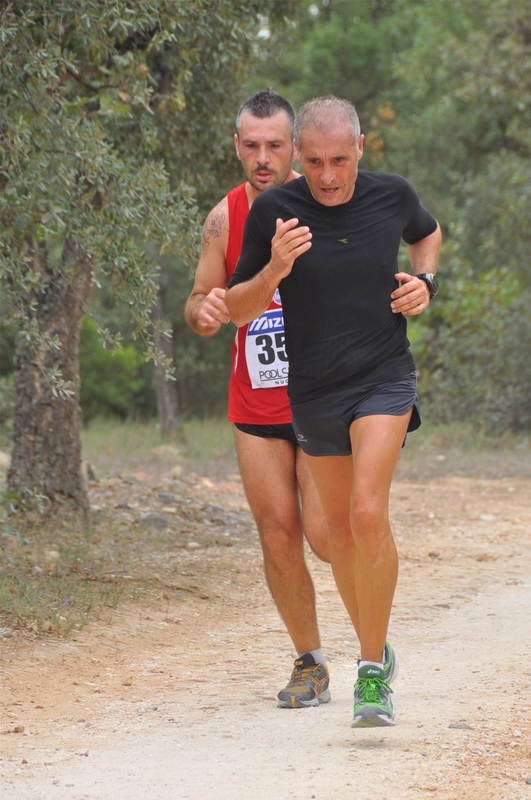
174,697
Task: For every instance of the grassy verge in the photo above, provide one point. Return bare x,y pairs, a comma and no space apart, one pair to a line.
461,450
53,578
57,575
119,448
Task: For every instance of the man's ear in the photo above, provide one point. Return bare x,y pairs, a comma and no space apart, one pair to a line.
295,151
237,145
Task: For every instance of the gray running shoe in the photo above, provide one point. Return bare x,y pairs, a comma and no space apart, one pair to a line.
308,685
373,707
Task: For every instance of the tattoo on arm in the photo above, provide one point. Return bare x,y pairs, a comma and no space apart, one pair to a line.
213,225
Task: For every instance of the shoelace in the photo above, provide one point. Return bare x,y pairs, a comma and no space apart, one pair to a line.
369,689
300,675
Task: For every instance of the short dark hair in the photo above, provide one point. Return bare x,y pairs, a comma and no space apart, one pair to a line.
265,103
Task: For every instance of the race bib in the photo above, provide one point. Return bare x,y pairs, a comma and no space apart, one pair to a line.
265,350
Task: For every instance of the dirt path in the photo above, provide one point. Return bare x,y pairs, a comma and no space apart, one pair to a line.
177,700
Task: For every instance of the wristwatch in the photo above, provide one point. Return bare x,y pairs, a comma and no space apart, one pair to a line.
431,282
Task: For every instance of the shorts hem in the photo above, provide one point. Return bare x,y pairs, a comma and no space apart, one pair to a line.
384,414
259,422
325,455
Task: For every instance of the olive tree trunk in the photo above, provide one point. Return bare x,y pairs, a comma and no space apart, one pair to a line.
46,453
165,390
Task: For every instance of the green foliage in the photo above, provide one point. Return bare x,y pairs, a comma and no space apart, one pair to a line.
477,362
71,90
366,36
7,402
203,368
462,135
443,90
106,109
109,380
7,343
462,97
494,228
115,123
115,130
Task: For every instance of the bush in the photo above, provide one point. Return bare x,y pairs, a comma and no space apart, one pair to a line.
110,381
477,365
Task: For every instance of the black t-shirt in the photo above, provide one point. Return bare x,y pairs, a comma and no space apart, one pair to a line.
336,300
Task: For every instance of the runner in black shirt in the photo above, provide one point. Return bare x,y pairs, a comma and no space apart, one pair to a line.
338,318
329,242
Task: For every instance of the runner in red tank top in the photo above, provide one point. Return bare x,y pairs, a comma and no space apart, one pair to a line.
275,476
259,375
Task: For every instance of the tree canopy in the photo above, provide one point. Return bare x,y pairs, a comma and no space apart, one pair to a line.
115,123
107,111
443,94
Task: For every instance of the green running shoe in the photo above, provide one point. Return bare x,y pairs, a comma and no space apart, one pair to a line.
390,663
308,685
373,707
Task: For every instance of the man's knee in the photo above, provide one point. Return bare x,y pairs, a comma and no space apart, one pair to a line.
369,523
277,538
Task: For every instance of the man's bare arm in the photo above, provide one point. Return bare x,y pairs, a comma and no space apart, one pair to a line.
205,309
246,301
413,296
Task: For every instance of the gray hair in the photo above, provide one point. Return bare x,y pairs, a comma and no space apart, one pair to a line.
265,103
324,113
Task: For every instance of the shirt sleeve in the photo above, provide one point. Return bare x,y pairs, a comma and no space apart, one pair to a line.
418,222
256,246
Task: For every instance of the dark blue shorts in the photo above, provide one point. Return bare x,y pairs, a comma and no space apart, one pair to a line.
282,431
322,426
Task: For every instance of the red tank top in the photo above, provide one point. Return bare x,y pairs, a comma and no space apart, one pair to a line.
259,372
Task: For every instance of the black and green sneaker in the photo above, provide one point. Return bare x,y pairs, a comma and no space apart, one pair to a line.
308,685
373,707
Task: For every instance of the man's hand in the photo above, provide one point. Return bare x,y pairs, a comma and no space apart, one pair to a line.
413,297
213,309
289,242
205,313
248,299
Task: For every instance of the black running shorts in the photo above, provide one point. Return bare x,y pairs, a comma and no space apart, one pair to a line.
282,431
322,426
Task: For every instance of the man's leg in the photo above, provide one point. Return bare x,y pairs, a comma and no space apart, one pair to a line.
314,523
354,491
333,478
270,481
355,495
376,445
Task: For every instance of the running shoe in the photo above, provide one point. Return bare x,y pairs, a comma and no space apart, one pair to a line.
390,663
308,685
373,707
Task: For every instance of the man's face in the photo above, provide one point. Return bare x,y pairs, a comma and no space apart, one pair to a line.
266,149
330,162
